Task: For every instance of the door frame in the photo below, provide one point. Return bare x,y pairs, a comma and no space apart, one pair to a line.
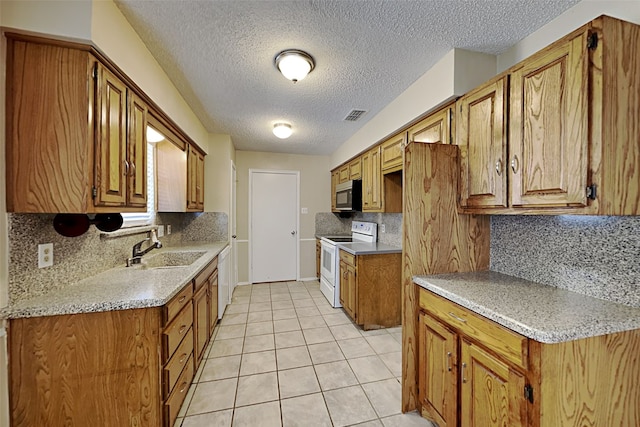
297,215
233,229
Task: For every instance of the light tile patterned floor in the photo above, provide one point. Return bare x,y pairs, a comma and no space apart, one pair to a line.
282,356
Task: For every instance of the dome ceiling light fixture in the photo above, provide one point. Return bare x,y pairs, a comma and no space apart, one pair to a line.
282,130
294,64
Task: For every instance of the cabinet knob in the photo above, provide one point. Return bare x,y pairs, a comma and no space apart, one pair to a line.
126,168
515,164
133,169
499,167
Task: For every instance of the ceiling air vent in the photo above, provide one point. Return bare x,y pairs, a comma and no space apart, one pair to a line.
354,115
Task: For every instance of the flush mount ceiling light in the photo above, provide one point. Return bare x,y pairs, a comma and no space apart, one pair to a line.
294,64
282,130
153,135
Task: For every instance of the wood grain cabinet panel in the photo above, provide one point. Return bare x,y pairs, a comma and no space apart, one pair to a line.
213,301
391,152
195,179
370,289
83,147
549,126
569,149
372,194
200,323
355,169
437,128
335,179
344,174
482,137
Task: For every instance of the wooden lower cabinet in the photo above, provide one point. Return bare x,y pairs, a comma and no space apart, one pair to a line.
113,368
473,372
370,289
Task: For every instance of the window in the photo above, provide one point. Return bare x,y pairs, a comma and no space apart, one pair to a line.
145,218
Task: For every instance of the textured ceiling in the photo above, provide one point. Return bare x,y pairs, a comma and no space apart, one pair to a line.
220,53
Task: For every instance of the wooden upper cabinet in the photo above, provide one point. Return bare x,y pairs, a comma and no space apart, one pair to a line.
391,153
195,179
49,135
434,129
335,178
344,174
137,152
355,169
372,195
482,137
111,164
75,132
548,152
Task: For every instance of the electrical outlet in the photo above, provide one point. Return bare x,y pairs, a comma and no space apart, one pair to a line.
160,230
45,255
382,228
304,210
168,229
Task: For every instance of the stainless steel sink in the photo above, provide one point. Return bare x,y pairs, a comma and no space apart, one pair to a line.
171,259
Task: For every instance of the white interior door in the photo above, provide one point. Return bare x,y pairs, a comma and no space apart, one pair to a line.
273,238
233,276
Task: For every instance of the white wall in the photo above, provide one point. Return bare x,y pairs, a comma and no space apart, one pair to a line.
578,15
315,183
65,18
455,74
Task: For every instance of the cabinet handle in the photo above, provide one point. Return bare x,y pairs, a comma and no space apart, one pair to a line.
182,329
459,319
499,167
515,164
133,169
449,361
184,387
126,168
464,379
182,298
184,357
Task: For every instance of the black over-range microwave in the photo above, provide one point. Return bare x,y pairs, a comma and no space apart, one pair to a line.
349,196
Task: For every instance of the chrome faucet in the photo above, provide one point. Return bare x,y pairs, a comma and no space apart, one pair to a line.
137,253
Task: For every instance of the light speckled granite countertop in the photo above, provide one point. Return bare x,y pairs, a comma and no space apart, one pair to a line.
544,313
119,288
362,248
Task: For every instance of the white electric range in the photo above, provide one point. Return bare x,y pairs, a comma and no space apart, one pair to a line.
366,232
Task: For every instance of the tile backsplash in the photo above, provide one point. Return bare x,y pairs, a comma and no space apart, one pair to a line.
594,255
93,252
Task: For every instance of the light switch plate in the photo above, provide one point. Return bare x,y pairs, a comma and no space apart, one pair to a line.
160,230
168,229
304,210
45,255
382,228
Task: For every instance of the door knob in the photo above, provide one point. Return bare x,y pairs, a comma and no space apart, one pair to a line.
293,233
234,236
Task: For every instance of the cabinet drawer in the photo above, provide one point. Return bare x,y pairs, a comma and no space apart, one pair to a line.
174,402
205,273
176,364
177,303
348,258
513,347
176,331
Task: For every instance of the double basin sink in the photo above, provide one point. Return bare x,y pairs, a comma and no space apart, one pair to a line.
169,259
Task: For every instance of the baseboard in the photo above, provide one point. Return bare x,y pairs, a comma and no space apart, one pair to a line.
309,279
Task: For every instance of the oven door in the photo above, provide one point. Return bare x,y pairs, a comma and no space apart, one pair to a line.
328,262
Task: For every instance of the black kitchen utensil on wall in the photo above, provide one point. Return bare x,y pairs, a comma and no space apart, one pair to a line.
74,225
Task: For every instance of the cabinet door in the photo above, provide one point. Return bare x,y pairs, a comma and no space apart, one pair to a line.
491,394
200,324
111,166
482,138
192,178
137,153
200,182
352,292
371,181
335,177
391,153
344,174
437,371
548,127
355,169
435,129
213,302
